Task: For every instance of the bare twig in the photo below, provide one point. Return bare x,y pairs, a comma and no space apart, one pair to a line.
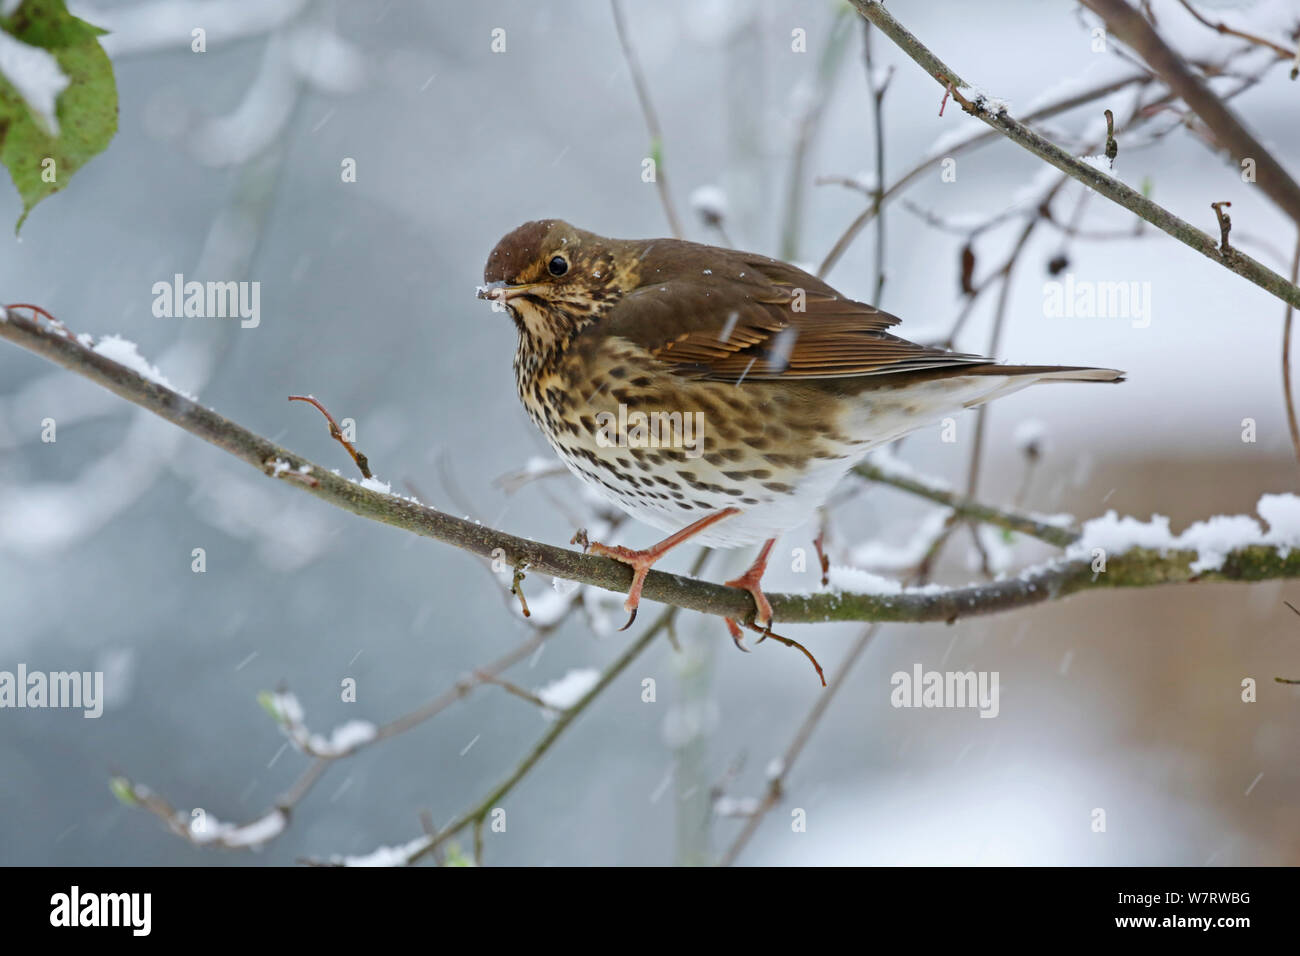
1042,211
1111,188
336,433
242,835
479,812
828,63
1129,26
776,781
1044,112
781,768
1061,537
1223,28
932,218
995,339
512,688
651,119
877,94
1286,360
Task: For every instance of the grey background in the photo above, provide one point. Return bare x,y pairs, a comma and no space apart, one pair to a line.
1128,702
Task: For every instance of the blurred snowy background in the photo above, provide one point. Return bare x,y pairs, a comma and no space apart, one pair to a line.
227,166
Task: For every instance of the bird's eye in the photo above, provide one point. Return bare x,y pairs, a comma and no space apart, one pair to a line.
558,266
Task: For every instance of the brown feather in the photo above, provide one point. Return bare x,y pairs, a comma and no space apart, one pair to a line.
714,314
722,315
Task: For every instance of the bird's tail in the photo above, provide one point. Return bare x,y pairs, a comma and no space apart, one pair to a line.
1051,373
1017,377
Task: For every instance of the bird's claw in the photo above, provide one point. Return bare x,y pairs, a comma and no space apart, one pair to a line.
641,561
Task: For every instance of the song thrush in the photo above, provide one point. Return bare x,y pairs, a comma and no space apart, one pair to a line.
716,394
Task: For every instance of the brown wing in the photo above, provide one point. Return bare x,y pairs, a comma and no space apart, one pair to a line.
754,318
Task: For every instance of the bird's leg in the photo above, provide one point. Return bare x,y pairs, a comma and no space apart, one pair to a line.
642,561
819,543
749,581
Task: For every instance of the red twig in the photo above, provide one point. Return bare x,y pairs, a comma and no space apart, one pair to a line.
944,102
43,313
337,434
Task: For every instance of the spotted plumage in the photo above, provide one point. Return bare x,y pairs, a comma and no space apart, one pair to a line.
682,380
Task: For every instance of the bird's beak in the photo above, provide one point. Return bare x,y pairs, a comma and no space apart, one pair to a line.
502,293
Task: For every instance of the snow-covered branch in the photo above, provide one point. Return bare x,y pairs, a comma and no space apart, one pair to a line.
996,115
1251,554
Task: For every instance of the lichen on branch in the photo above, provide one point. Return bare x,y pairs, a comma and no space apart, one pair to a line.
885,601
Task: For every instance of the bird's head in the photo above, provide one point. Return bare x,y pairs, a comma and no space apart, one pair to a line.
554,278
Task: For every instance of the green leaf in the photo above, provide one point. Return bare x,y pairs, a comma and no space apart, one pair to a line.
39,162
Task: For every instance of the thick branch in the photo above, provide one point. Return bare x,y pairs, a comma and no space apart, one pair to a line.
1112,189
1135,568
1133,29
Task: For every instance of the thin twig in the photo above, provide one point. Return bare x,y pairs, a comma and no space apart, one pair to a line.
775,789
317,768
1286,361
512,688
651,120
809,125
1114,190
933,219
1044,112
480,811
776,782
1223,28
877,95
1061,537
336,433
995,339
1131,28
